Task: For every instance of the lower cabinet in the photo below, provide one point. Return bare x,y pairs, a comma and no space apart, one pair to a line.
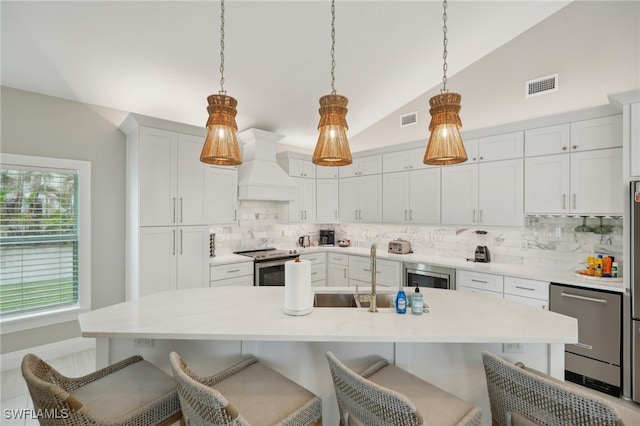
522,290
529,292
170,258
337,270
235,274
388,272
318,268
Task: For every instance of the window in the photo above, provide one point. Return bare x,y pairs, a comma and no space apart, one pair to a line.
45,254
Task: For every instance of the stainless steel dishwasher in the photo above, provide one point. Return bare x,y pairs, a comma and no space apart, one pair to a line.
595,360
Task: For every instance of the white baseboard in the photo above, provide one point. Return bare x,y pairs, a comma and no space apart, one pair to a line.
12,360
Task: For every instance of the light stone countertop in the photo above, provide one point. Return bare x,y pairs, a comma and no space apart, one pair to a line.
507,269
256,314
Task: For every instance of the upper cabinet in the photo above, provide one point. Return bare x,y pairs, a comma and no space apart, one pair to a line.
361,199
362,166
323,172
297,167
404,160
327,196
173,186
412,196
573,169
501,147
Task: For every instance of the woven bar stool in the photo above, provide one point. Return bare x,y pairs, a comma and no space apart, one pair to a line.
247,393
376,397
130,392
522,396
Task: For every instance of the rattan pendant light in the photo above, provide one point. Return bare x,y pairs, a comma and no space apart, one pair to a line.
332,148
445,143
221,145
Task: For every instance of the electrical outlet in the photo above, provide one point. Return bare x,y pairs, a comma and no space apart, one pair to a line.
143,342
524,245
512,348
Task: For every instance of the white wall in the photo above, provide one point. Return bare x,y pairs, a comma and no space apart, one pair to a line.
594,46
38,125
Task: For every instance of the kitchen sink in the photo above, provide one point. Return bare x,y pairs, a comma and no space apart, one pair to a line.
347,300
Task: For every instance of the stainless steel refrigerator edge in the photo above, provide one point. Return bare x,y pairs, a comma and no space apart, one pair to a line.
635,288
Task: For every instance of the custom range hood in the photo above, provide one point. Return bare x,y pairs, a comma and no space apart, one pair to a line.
259,176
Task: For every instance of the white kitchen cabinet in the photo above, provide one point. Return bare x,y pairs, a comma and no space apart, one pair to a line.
231,274
337,269
296,167
480,282
318,268
634,140
326,172
170,258
546,181
501,193
501,147
362,166
361,199
173,186
587,183
489,193
303,209
527,291
411,159
172,198
547,140
596,182
388,272
412,196
327,200
471,148
222,186
597,133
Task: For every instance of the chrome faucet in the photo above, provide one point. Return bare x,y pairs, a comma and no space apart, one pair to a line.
372,304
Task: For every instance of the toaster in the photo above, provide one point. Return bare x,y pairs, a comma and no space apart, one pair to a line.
399,246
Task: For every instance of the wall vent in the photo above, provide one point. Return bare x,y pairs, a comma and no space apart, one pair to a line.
409,119
542,85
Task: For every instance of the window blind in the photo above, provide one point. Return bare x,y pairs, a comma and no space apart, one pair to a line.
38,239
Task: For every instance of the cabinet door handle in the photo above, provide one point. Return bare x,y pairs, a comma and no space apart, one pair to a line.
564,201
583,345
181,214
411,215
480,216
231,271
474,215
174,243
574,147
181,241
235,215
564,148
479,281
305,215
336,212
585,298
314,273
355,212
405,215
174,210
525,288
575,201
360,214
345,272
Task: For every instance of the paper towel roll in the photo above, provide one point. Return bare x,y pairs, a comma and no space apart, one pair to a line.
298,297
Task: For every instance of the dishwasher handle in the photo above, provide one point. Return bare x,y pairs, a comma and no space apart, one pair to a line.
588,299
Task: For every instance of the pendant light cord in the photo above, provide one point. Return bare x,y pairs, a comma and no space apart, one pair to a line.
222,91
444,43
333,46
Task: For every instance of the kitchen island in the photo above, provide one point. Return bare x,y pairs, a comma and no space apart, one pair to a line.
211,327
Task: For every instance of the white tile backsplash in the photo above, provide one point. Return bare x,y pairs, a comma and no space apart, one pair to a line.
550,241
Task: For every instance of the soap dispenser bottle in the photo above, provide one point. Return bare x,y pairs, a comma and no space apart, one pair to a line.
417,302
401,302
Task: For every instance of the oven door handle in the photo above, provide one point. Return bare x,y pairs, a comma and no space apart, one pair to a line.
279,262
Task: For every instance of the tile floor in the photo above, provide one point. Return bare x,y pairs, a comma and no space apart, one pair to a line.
15,395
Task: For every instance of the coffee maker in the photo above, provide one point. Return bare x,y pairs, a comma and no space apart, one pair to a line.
327,237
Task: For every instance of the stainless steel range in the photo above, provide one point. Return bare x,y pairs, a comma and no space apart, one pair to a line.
269,265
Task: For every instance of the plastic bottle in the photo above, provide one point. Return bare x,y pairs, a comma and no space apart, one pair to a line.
598,266
591,265
417,302
614,269
606,266
401,302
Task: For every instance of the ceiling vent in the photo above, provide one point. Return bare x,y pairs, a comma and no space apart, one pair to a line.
542,85
409,119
